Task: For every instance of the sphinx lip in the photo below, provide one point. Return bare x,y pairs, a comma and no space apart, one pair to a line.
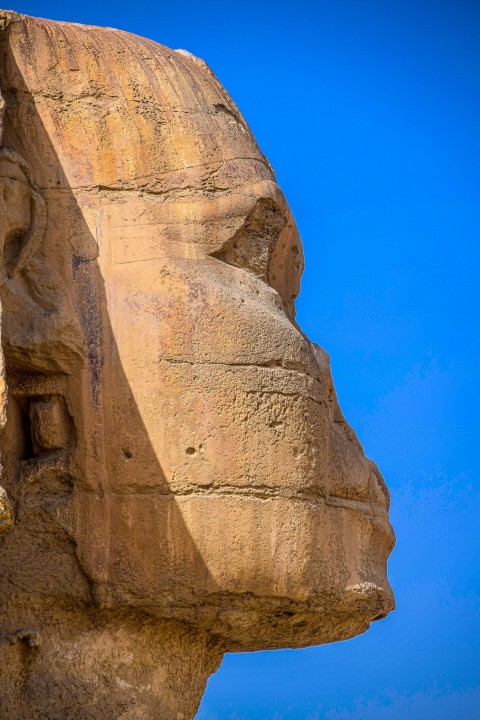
255,492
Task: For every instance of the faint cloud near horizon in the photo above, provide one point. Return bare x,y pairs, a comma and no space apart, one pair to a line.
430,703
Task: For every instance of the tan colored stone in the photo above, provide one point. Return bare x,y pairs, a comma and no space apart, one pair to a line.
184,481
6,515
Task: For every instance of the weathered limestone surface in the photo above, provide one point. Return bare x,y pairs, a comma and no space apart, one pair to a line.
182,479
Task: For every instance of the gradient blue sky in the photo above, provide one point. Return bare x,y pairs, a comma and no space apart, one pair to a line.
369,112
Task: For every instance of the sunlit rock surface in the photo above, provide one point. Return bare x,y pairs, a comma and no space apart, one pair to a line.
182,478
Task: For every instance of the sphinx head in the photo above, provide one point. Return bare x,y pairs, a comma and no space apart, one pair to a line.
214,478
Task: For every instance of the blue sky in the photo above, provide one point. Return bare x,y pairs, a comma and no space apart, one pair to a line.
369,113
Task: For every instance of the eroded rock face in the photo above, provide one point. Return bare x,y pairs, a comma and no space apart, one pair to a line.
183,479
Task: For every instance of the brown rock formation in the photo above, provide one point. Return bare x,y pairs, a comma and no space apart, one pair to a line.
182,478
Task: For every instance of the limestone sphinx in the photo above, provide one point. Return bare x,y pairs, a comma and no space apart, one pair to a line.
182,480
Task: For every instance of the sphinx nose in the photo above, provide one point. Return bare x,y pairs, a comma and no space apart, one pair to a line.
351,475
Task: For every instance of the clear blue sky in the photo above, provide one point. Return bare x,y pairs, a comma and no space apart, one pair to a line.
370,114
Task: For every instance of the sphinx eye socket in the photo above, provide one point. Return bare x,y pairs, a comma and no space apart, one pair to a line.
252,245
268,245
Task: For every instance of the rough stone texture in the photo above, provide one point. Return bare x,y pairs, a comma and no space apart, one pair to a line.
183,479
6,515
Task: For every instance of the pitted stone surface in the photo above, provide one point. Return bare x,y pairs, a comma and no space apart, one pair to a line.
182,478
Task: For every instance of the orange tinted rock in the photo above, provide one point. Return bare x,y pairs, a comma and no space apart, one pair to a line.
184,480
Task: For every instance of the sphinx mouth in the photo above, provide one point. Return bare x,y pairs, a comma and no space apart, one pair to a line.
315,498
374,513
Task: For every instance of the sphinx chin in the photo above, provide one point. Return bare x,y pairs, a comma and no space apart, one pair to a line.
295,573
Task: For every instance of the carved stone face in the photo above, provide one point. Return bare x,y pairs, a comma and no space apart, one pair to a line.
214,477
240,489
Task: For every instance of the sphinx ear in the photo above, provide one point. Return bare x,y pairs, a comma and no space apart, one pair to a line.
21,247
33,237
